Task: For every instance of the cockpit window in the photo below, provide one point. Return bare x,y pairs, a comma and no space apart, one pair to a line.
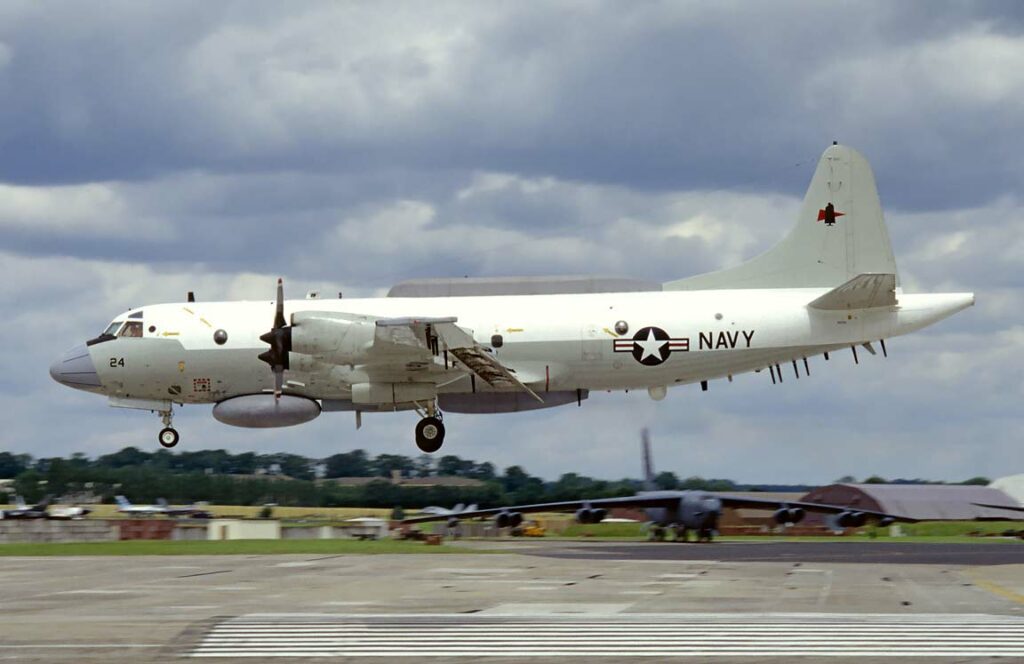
132,328
112,330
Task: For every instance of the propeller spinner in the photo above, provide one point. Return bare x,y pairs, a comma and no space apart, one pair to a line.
280,339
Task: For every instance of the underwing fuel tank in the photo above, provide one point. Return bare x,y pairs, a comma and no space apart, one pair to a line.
263,411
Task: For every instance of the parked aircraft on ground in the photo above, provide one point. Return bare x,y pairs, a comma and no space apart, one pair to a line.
503,345
668,512
67,512
125,506
23,511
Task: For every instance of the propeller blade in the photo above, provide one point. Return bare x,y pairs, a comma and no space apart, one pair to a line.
279,320
278,382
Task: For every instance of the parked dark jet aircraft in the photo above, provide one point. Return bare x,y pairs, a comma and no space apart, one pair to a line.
676,512
23,511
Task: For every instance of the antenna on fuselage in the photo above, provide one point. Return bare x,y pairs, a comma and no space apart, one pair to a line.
191,297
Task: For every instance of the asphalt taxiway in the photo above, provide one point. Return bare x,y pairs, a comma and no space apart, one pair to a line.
884,552
538,600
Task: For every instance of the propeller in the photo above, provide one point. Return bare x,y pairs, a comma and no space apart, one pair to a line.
280,339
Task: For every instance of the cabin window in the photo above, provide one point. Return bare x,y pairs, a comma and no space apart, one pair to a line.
132,328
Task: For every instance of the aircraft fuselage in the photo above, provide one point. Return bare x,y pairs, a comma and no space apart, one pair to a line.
552,342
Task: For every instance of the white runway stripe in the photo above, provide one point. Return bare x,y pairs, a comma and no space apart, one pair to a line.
622,636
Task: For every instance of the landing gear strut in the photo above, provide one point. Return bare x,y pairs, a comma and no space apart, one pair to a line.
168,436
430,430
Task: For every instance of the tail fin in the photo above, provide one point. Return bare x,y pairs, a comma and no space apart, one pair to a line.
645,439
122,501
840,234
19,503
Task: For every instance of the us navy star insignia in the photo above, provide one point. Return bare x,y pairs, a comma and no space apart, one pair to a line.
651,346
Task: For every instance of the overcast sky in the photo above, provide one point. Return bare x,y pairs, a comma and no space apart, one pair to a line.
148,149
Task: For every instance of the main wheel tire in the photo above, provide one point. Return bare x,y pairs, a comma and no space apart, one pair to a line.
429,434
168,437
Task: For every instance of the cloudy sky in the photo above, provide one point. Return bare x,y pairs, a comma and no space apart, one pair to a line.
148,149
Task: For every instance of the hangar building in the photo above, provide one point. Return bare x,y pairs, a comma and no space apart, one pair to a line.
924,502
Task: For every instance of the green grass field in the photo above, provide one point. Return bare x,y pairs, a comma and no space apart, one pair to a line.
230,547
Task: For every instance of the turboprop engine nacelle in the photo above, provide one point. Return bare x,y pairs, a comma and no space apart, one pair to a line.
331,339
788,515
851,519
508,519
586,515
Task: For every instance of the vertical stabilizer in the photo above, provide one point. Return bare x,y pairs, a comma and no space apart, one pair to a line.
839,234
645,442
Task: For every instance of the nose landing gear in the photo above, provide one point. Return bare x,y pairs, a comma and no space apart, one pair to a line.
430,429
168,436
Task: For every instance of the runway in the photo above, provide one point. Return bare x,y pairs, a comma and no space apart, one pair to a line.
626,636
910,553
531,603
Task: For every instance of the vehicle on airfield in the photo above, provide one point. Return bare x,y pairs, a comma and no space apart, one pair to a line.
672,512
496,345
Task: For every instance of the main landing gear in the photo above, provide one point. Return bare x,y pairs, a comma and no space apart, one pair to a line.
430,429
168,436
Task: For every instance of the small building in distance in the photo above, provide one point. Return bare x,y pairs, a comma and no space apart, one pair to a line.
923,502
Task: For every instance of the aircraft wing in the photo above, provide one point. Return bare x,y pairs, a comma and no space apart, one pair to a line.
660,499
564,506
437,334
405,340
1009,508
820,508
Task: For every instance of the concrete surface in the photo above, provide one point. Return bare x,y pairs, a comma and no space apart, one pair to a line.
526,604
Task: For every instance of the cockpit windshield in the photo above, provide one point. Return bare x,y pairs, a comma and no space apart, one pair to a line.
132,328
112,330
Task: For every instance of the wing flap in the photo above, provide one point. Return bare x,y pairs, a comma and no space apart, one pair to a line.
492,372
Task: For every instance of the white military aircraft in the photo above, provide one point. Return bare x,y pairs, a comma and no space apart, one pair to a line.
504,345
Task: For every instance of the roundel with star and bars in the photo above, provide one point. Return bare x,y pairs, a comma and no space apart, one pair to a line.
651,346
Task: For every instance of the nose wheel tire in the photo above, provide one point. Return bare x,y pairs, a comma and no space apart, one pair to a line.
168,437
429,434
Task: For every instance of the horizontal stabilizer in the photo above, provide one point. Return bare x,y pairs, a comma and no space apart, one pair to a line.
865,291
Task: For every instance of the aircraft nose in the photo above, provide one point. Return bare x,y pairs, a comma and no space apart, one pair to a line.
75,369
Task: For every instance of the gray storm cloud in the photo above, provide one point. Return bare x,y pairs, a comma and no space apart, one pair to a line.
153,149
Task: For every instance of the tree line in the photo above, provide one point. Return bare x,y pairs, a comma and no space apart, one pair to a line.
248,478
